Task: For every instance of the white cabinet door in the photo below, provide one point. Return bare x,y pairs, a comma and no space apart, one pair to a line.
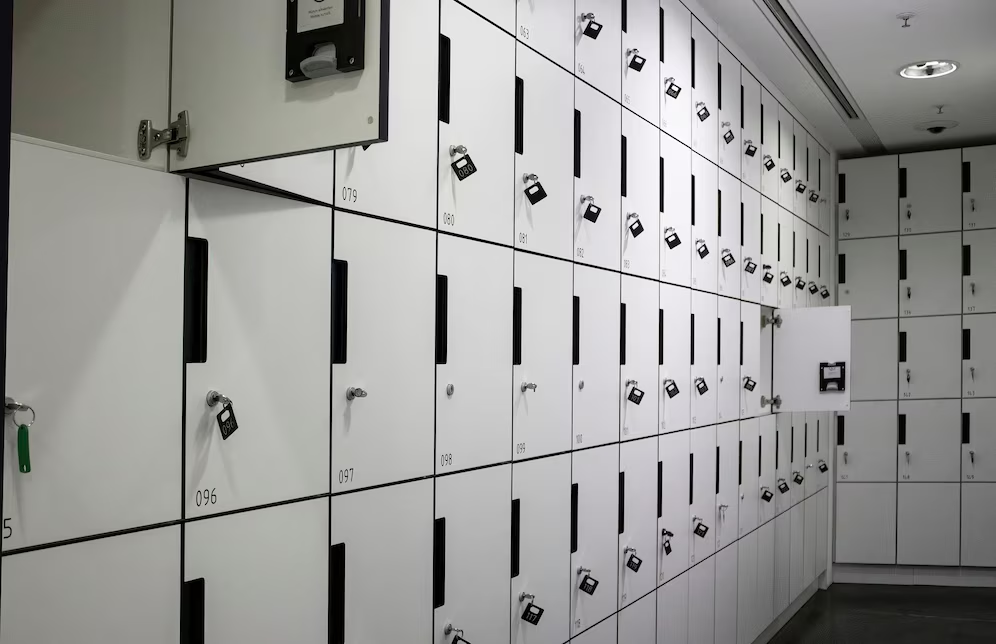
747,598
726,596
638,540
597,154
825,189
873,360
767,471
814,251
825,271
477,124
786,251
979,272
541,507
866,523
867,274
929,448
638,623
702,494
500,12
366,556
705,89
812,195
768,271
641,38
728,384
388,435
929,275
594,535
929,352
473,532
928,524
702,602
770,146
730,120
767,346
728,483
815,480
867,190
641,197
979,187
549,28
930,192
978,441
750,360
865,440
672,611
597,41
750,144
797,573
596,357
473,353
978,521
800,264
786,163
605,632
750,246
782,554
676,71
704,385
809,543
765,575
673,470
705,224
806,340
541,356
121,589
226,557
978,353
677,245
639,354
783,463
544,205
730,235
800,171
822,530
797,448
675,391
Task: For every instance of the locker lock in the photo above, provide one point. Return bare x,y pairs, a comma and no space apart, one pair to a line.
971,371
464,166
637,61
824,292
786,175
907,457
728,135
527,386
213,398
769,163
972,201
592,29
636,227
672,89
785,279
666,540
355,392
909,211
813,288
800,187
635,395
971,455
633,562
722,511
534,191
701,111
845,458
909,292
450,389
909,376
972,286
592,212
532,612
670,388
700,529
749,383
750,149
813,196
768,276
766,494
580,385
701,248
456,632
847,214
11,408
750,266
727,257
671,237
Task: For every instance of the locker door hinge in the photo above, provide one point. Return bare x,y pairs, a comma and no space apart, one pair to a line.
178,134
775,320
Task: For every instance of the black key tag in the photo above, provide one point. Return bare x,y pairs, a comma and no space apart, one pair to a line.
702,112
785,280
769,277
635,396
823,467
824,292
728,259
464,167
592,212
814,196
750,266
769,163
532,613
535,193
766,496
226,421
786,177
700,386
751,149
800,283
673,90
798,478
673,241
634,563
637,63
459,640
593,29
701,529
671,389
702,250
667,547
749,383
813,288
589,584
800,187
636,228
728,137
783,487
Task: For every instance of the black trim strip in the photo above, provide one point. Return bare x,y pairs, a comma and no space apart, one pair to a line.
444,78
902,429
693,199
966,260
762,123
740,464
742,120
807,254
966,428
340,309
192,611
622,333
793,248
574,518
622,170
660,489
792,445
516,529
717,469
691,477
817,435
520,95
660,17
966,344
516,325
691,342
777,445
624,14
762,233
902,263
902,346
439,562
760,449
719,341
966,176
577,144
841,265
805,440
442,318
779,139
622,502
195,300
577,330
902,183
719,86
840,429
719,213
660,337
778,242
741,343
741,224
841,188
693,63
661,185
819,263
337,602
795,151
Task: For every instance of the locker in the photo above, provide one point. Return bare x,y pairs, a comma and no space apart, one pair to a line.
604,632
135,296
930,192
825,189
726,595
813,188
797,573
729,231
641,79
226,557
676,243
638,623
929,446
865,437
769,240
786,251
702,602
875,352
824,435
812,448
728,384
596,357
797,455
750,146
674,471
978,355
639,355
472,533
783,463
473,353
866,191
765,575
641,190
800,172
800,275
928,275
978,268
594,502
978,521
500,12
728,484
782,553
770,146
705,224
929,365
751,270
822,530
121,589
672,611
730,120
787,174
705,88
826,274
545,98
805,340
406,161
866,523
675,367
476,126
811,255
366,556
548,27
704,346
767,471
702,494
282,451
541,421
541,507
867,273
979,196
809,543
750,363
767,347
928,524
749,461
388,435
676,71
638,540
747,599
597,161
978,441
598,40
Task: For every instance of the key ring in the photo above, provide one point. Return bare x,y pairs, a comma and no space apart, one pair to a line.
24,408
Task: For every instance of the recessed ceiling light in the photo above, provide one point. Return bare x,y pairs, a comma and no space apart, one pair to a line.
929,69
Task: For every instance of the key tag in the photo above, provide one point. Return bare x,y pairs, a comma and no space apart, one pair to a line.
667,547
800,283
670,388
634,563
589,584
728,135
464,166
226,417
768,276
532,613
535,192
701,111
12,407
728,259
766,495
769,163
636,227
635,395
750,266
800,187
824,292
749,383
786,176
672,89
701,529
592,211
813,196
823,467
671,237
592,29
751,148
637,61
785,279
700,386
783,487
813,288
701,248
798,478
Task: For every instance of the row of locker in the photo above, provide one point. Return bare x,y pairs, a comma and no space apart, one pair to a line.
909,194
671,519
920,275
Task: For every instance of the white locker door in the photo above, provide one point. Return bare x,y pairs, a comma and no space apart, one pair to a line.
729,267
594,535
929,275
770,146
388,435
639,348
979,272
500,12
672,511
541,421
676,71
929,447
783,463
873,358
797,571
728,484
726,596
641,79
705,224
928,524
867,190
702,602
750,247
545,98
104,323
800,272
865,439
825,273
866,523
702,495
807,339
765,575
598,39
811,455
472,532
750,144
978,441
767,471
930,192
473,354
120,589
675,391
867,274
672,611
825,189
704,385
638,623
596,357
281,452
705,88
978,521
597,136
477,123
747,599
605,632
978,353
812,195
809,543
729,119
797,449
979,195
814,250
728,383
783,552
768,271
549,28
800,171
824,438
786,251
638,540
822,530
787,174
541,506
750,360
366,556
748,457
929,352
676,244
641,197
767,346
226,557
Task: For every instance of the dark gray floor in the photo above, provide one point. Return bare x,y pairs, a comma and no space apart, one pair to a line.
859,614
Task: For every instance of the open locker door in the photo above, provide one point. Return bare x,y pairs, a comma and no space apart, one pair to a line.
812,355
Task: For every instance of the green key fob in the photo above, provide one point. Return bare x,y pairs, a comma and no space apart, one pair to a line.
23,450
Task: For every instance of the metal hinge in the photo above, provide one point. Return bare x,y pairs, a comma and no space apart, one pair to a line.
178,134
775,320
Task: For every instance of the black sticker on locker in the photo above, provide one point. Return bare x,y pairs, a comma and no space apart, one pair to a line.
823,468
671,389
797,477
635,396
464,167
728,137
535,193
728,260
703,251
673,241
783,487
634,563
766,496
703,113
592,212
701,529
227,422
589,584
636,228
673,90
532,613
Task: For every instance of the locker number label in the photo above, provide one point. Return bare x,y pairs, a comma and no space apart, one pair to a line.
579,252
206,497
349,195
524,239
8,532
445,460
520,448
346,476
581,69
449,219
523,32
578,439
